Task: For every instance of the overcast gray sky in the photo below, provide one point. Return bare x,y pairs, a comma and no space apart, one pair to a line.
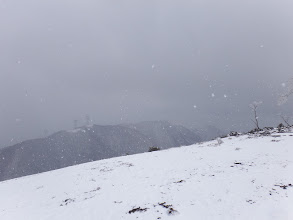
194,63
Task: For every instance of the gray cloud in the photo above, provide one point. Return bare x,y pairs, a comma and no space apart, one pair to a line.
127,61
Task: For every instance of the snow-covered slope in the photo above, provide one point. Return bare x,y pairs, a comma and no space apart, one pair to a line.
246,177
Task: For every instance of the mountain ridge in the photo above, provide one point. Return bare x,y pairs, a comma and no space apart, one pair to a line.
89,143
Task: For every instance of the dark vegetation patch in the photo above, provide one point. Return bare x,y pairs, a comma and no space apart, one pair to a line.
170,209
40,187
89,197
127,164
106,169
285,186
117,202
151,149
276,136
234,134
134,210
67,201
273,191
238,163
275,140
268,128
180,181
266,131
94,190
250,201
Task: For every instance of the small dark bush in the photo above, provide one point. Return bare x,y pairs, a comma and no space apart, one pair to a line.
268,128
255,131
233,133
137,210
171,210
281,128
151,149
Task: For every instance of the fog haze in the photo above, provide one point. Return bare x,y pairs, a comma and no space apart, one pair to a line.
194,63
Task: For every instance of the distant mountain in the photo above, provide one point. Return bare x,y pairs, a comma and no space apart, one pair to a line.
163,134
91,143
208,133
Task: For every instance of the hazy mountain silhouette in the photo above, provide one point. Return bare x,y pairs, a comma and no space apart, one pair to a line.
90,143
208,133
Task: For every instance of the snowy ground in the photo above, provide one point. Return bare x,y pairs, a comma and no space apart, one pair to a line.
243,178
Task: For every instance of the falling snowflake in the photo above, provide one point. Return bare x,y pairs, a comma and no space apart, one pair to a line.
194,106
213,95
283,84
153,66
225,96
18,120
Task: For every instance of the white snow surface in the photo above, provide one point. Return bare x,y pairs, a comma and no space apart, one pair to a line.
245,177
